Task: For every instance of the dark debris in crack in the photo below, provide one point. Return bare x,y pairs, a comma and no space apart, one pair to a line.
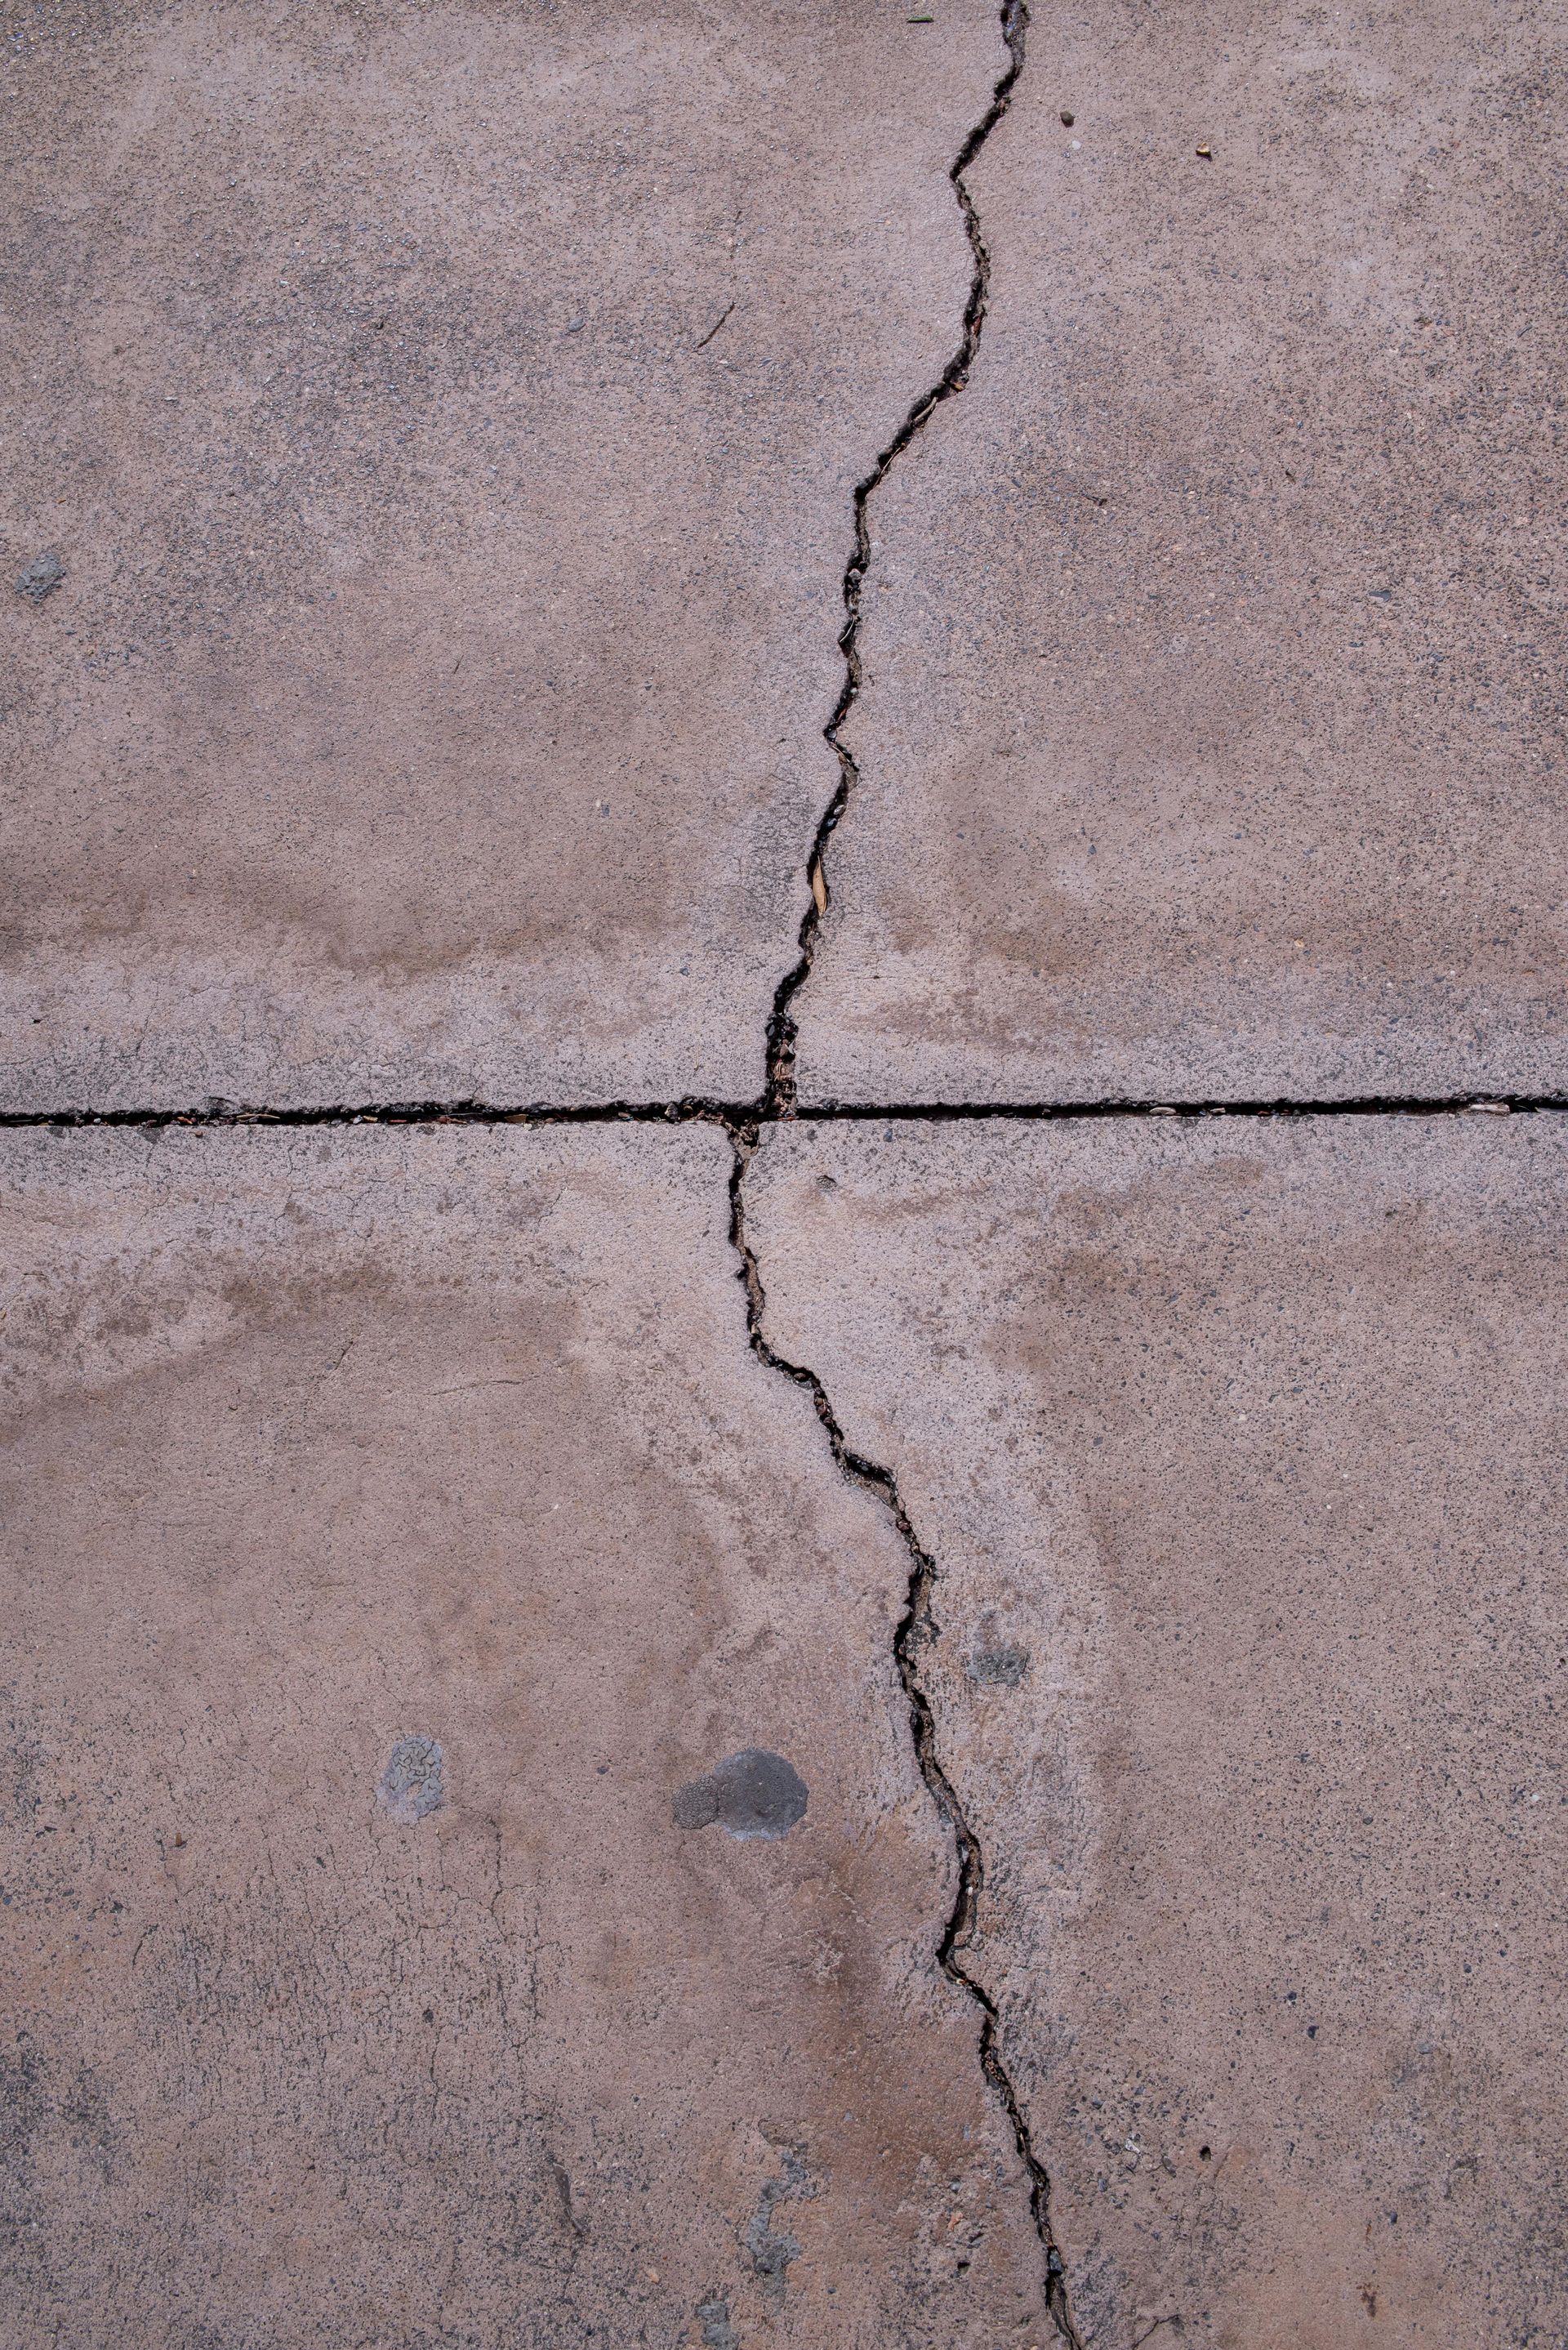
780,1085
1263,1106
690,1110
738,1118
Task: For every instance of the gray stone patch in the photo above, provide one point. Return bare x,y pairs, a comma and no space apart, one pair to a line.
1002,1662
41,577
718,2334
411,1785
770,2248
753,1794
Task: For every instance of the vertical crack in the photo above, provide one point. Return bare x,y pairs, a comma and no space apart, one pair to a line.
779,1089
917,1628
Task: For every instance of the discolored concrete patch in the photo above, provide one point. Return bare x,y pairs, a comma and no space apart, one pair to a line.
1212,736
718,2334
1252,1434
447,421
397,1519
411,1784
747,1794
769,2245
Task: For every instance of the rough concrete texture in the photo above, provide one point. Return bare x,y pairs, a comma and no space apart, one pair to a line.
430,704
1240,1448
398,1522
970,1759
1211,740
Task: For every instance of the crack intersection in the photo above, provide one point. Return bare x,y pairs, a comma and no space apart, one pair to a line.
703,1109
781,1101
744,1122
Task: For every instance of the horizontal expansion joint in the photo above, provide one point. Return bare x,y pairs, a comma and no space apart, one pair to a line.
738,1118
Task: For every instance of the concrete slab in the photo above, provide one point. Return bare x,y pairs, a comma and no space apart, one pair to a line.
466,1876
1239,1450
443,425
1212,733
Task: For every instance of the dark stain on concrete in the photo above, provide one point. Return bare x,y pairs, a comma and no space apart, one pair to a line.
411,1785
771,2250
753,1794
718,2334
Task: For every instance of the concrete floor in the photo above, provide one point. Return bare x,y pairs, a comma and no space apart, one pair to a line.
783,1103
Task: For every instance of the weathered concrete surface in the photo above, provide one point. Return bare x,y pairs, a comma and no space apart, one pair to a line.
398,1524
1213,733
1241,1449
430,706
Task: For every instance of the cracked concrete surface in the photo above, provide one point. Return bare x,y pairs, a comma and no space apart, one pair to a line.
782,1086
1211,738
911,1637
642,1722
432,704
319,1445
1240,1444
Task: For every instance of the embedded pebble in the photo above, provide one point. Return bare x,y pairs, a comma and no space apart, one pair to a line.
1002,1662
41,577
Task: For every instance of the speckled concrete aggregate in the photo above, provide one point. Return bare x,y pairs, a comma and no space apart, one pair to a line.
722,1728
